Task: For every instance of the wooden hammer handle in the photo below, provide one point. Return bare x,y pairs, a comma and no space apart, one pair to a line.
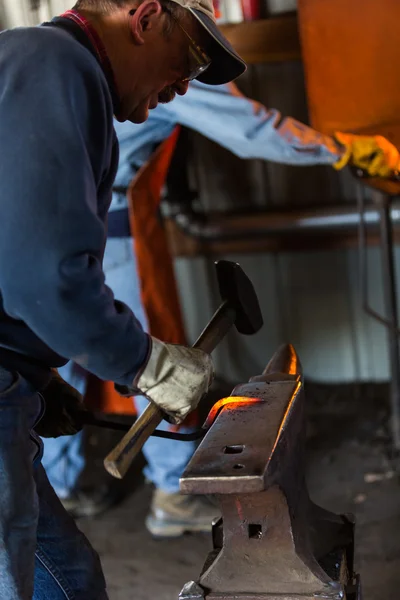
120,458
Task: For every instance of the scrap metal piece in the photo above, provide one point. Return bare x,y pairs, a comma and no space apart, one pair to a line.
191,591
272,542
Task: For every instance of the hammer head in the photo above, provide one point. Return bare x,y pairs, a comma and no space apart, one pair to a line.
236,289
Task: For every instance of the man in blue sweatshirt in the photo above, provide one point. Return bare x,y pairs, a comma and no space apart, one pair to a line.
61,84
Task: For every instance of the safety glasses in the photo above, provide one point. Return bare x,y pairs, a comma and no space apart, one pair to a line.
199,61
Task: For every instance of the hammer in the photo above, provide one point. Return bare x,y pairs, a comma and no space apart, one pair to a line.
239,307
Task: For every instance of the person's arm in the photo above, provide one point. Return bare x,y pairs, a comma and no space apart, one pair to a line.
248,129
54,159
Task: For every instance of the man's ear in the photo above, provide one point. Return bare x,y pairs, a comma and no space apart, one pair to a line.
142,19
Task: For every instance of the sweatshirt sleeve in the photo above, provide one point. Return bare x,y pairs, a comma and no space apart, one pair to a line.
56,136
248,129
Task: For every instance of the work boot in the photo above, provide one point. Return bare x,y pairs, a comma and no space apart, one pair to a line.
174,514
91,502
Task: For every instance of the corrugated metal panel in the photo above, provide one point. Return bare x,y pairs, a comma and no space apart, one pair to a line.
309,299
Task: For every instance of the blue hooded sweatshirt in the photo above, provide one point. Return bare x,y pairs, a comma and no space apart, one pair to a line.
58,159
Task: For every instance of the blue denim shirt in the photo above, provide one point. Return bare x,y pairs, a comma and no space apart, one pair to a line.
225,116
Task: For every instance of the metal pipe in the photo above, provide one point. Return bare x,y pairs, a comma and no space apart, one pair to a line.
390,296
218,227
363,269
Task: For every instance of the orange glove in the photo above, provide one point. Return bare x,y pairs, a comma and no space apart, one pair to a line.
373,154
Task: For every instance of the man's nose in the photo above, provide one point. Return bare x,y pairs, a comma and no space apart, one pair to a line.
181,87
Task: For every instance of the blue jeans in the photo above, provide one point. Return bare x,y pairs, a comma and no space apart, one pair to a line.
43,555
166,460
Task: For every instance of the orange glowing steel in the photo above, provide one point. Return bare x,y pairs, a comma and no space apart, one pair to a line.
234,401
294,366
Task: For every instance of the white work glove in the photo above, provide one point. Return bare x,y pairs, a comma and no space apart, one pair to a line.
175,378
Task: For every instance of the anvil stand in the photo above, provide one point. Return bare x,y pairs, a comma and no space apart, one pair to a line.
272,542
384,192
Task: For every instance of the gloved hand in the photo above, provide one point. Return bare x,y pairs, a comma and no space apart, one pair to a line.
373,154
174,377
63,405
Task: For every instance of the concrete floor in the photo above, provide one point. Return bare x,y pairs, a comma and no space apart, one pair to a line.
350,469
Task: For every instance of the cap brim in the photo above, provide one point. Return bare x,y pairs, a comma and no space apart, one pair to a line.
226,64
